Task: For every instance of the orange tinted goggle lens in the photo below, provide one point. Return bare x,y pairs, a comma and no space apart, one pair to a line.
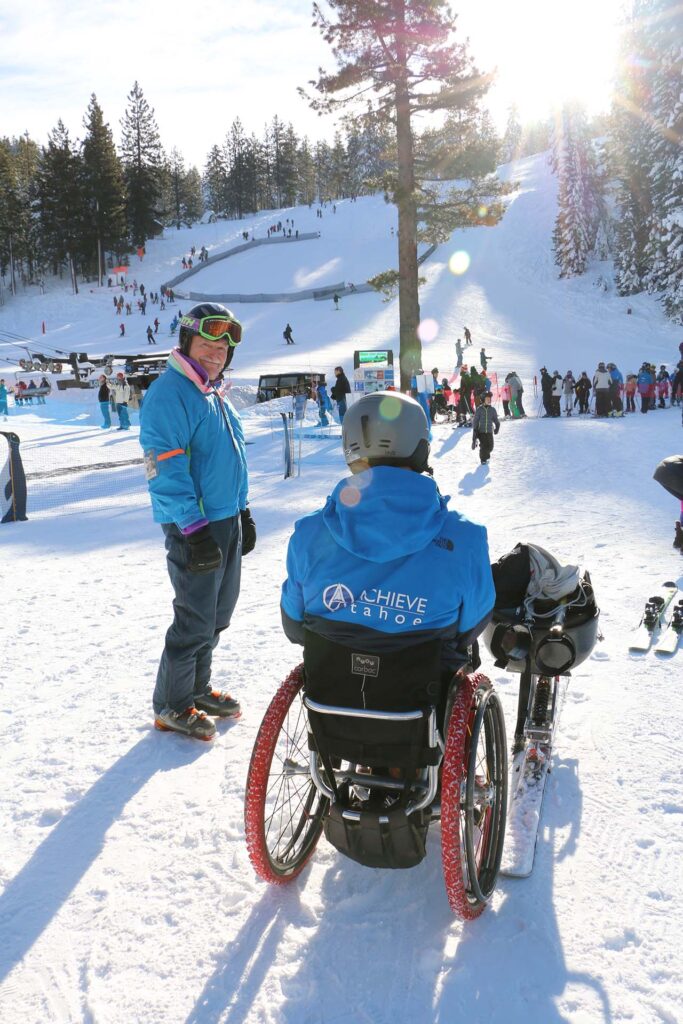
221,328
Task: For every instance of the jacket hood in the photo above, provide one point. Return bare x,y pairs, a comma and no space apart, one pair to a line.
385,513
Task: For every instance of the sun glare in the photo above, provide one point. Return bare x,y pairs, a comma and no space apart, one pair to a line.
547,54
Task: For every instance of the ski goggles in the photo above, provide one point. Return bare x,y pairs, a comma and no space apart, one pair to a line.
214,328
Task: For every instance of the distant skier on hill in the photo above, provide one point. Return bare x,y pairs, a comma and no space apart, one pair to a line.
287,335
467,335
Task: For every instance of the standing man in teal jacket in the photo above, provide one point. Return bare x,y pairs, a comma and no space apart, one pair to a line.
197,472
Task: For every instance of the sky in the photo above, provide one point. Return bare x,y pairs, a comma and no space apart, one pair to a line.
247,61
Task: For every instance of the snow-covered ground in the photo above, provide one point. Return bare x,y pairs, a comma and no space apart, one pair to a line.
127,893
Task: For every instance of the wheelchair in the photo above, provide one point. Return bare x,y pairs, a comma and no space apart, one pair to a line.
371,748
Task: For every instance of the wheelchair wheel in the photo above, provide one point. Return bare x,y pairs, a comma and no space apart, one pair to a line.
473,797
283,811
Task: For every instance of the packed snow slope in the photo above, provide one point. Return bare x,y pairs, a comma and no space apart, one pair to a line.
127,894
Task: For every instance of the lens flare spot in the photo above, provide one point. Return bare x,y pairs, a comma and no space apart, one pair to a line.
349,495
459,262
428,330
390,408
483,210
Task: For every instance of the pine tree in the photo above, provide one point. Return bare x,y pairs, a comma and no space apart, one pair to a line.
661,29
9,205
323,172
629,158
173,176
404,51
580,194
60,201
512,138
103,190
238,186
142,161
193,200
215,180
306,176
24,156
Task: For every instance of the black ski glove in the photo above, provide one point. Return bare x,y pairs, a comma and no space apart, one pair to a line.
248,532
205,555
474,443
496,429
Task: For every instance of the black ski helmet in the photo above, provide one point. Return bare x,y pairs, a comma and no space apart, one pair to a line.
186,334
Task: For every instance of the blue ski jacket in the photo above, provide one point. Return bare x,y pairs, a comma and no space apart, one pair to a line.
386,562
194,449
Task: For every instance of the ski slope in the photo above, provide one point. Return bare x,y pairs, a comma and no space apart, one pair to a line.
127,894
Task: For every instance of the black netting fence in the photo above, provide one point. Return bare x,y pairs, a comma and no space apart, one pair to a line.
79,474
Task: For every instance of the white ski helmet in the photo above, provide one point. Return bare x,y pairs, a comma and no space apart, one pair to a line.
386,428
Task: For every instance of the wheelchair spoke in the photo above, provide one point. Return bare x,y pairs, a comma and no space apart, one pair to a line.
283,809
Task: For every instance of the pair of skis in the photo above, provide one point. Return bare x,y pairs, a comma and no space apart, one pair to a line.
654,629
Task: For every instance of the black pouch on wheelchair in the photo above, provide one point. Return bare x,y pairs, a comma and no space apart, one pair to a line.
348,677
388,840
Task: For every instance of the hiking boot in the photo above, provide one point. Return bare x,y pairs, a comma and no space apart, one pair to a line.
190,722
678,539
218,703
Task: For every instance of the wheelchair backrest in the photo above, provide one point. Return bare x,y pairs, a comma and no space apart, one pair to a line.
356,676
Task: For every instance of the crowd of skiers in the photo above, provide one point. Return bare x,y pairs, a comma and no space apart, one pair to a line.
459,397
613,394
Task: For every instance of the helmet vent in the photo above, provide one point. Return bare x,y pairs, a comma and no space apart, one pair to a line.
365,428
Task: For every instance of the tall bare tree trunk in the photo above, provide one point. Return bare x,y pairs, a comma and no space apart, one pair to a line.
408,298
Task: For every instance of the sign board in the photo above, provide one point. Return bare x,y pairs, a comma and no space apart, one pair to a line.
373,370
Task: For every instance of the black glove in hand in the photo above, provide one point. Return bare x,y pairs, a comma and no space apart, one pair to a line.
205,555
496,430
248,532
474,443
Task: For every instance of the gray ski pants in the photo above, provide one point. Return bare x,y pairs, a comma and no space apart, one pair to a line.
203,606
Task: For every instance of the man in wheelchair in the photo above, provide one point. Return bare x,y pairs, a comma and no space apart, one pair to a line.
384,563
387,590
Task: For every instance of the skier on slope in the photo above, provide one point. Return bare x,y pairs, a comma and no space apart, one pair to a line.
547,391
484,425
197,472
556,395
387,529
583,390
601,385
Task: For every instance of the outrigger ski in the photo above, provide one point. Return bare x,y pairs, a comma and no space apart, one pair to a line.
668,641
652,618
528,775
